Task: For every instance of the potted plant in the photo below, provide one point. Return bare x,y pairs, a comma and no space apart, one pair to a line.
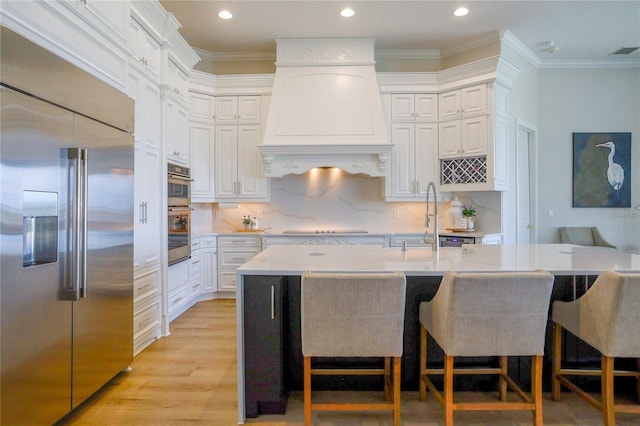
469,213
246,221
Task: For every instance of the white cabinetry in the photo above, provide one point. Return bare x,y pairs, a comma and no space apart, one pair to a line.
202,140
195,269
233,251
463,102
177,81
146,308
464,133
209,268
324,239
238,110
176,130
179,290
239,166
414,133
473,148
146,50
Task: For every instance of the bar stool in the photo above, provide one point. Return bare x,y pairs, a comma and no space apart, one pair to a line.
487,314
353,315
607,317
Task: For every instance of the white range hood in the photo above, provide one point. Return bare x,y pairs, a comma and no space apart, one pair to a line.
325,109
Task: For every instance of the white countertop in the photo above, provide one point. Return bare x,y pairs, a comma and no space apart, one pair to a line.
561,259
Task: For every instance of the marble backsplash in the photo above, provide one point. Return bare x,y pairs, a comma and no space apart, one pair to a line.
332,199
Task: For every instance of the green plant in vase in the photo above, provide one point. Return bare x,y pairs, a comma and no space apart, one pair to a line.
469,213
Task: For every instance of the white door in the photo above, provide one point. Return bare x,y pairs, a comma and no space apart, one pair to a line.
523,191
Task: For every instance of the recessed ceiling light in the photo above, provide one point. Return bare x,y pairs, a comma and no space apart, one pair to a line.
347,13
225,14
461,11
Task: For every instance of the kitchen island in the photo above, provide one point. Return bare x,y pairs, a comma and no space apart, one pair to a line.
268,304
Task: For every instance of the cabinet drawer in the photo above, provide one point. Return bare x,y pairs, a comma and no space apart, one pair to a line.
227,280
146,319
194,263
179,298
146,285
236,257
208,242
239,241
195,244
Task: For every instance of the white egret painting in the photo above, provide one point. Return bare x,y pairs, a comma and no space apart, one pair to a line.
602,170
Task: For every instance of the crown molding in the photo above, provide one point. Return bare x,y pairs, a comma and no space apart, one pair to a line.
236,56
409,82
408,54
508,39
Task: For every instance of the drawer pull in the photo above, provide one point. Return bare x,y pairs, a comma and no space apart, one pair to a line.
273,302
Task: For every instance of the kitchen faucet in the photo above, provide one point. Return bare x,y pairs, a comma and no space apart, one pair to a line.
435,242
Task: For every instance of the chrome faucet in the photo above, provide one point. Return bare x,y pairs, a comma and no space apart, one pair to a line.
435,241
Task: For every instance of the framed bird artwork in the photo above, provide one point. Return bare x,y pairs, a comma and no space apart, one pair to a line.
602,169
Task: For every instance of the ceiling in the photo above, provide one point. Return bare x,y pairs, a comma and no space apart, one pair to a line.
582,30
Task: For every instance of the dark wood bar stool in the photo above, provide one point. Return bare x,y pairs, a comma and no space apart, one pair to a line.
607,317
487,314
353,315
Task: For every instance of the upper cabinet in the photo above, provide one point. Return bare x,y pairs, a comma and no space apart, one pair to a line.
202,107
473,138
145,49
177,81
414,107
237,110
463,102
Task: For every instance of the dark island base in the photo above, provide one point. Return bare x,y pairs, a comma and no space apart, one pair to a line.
273,348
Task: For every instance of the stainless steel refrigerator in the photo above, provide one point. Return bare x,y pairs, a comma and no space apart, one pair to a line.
66,233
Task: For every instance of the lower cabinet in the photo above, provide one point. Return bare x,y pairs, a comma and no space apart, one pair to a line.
209,268
146,308
264,298
233,251
179,292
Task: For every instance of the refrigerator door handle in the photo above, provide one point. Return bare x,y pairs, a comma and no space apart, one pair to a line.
84,220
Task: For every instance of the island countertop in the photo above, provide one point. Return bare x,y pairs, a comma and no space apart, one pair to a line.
562,259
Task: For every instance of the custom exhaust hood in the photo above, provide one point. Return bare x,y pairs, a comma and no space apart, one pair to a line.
325,109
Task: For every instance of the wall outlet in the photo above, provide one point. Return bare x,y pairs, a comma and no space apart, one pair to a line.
396,214
550,212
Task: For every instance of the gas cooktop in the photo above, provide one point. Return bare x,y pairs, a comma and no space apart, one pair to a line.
325,231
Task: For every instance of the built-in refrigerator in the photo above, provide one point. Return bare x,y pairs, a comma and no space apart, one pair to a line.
66,233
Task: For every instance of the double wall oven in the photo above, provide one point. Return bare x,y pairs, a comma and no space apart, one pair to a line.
179,213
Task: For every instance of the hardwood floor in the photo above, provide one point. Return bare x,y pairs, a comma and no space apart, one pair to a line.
189,377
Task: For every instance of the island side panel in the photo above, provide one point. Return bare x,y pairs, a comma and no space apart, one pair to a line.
264,329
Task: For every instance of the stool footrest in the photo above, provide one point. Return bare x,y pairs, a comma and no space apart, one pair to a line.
382,406
347,372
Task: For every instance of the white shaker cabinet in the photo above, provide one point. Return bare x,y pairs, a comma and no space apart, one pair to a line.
233,251
202,107
202,140
414,134
209,268
146,50
463,138
176,130
238,110
414,161
177,81
462,102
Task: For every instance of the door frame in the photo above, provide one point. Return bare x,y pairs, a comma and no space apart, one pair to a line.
532,130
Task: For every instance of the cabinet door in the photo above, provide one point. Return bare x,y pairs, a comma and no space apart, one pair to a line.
426,107
202,139
402,107
474,136
177,80
449,104
251,180
146,94
426,157
147,207
402,178
201,107
226,160
449,139
263,342
208,269
249,111
473,100
226,109
146,50
176,129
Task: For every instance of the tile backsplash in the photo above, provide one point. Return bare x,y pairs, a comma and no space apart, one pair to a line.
332,199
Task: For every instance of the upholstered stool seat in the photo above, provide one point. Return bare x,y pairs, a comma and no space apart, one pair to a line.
607,317
353,315
487,314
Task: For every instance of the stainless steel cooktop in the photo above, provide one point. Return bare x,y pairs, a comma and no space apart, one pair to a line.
325,231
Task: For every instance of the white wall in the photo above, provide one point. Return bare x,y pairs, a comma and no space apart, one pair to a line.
586,100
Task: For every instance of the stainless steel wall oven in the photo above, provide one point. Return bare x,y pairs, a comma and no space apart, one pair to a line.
178,213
